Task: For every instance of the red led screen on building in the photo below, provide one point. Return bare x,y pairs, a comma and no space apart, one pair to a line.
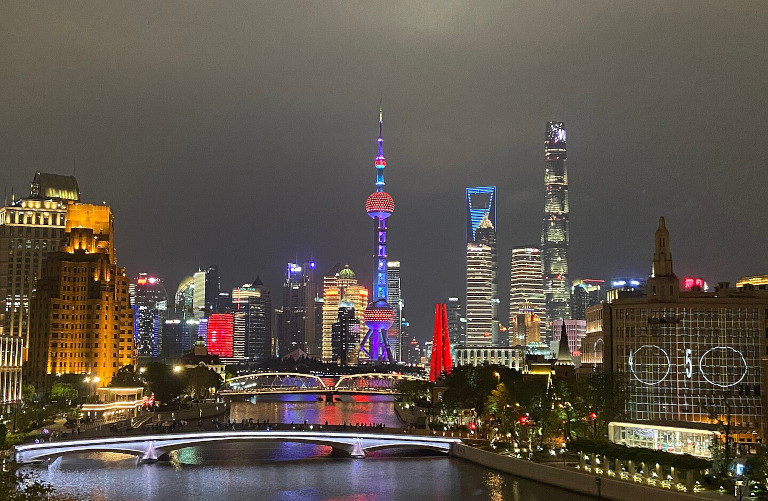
219,335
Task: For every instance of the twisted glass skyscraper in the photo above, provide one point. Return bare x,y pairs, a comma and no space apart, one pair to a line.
554,234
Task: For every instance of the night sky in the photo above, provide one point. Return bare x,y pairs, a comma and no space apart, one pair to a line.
243,133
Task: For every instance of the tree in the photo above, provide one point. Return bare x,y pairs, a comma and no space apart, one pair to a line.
598,399
63,394
200,380
415,391
719,408
28,393
126,377
164,382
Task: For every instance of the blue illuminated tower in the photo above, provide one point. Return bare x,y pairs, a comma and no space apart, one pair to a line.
379,314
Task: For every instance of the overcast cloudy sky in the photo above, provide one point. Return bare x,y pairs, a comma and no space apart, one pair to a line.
243,133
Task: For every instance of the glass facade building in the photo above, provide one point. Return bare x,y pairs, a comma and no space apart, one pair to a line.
526,286
554,234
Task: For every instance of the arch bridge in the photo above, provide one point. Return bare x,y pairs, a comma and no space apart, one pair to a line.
150,448
290,382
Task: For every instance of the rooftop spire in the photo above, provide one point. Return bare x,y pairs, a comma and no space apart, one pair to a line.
380,161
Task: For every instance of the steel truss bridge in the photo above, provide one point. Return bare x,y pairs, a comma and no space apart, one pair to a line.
290,382
150,448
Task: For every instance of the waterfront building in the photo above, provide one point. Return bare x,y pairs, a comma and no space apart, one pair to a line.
296,318
686,353
82,320
252,322
395,299
206,291
150,308
30,228
586,292
379,314
526,286
340,284
554,234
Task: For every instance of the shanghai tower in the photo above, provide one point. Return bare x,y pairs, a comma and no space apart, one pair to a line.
554,233
379,315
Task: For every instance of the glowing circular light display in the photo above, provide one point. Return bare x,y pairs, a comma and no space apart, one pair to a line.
648,378
379,204
728,358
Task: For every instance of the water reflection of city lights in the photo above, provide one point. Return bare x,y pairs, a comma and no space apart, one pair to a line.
495,484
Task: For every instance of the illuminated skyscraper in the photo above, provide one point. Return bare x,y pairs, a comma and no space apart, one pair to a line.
206,293
252,317
586,292
150,307
526,286
30,228
394,298
379,315
481,203
296,319
82,320
220,335
457,331
482,285
340,284
554,234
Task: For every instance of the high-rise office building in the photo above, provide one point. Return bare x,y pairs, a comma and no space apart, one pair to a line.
296,319
30,228
252,313
345,334
379,314
82,320
395,299
150,308
341,284
554,233
525,326
526,286
457,332
586,292
482,285
184,311
479,295
482,318
205,296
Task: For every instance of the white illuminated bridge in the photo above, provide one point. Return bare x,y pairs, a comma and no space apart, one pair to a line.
289,382
150,448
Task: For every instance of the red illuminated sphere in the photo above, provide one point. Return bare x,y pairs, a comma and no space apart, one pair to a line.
379,314
379,205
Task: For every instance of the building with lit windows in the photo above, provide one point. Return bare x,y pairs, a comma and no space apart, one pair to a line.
457,332
482,264
82,320
219,336
252,313
341,284
345,334
30,228
554,233
150,308
688,355
480,299
205,294
526,286
586,292
575,330
395,299
759,282
525,326
296,318
511,357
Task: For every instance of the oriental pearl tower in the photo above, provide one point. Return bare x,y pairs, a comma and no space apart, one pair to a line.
379,315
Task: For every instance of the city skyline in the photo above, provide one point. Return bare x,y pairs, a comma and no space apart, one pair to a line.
652,132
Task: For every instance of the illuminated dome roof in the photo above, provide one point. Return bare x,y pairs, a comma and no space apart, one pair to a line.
346,272
379,204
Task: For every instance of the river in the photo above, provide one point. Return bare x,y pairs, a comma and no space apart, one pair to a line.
288,472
